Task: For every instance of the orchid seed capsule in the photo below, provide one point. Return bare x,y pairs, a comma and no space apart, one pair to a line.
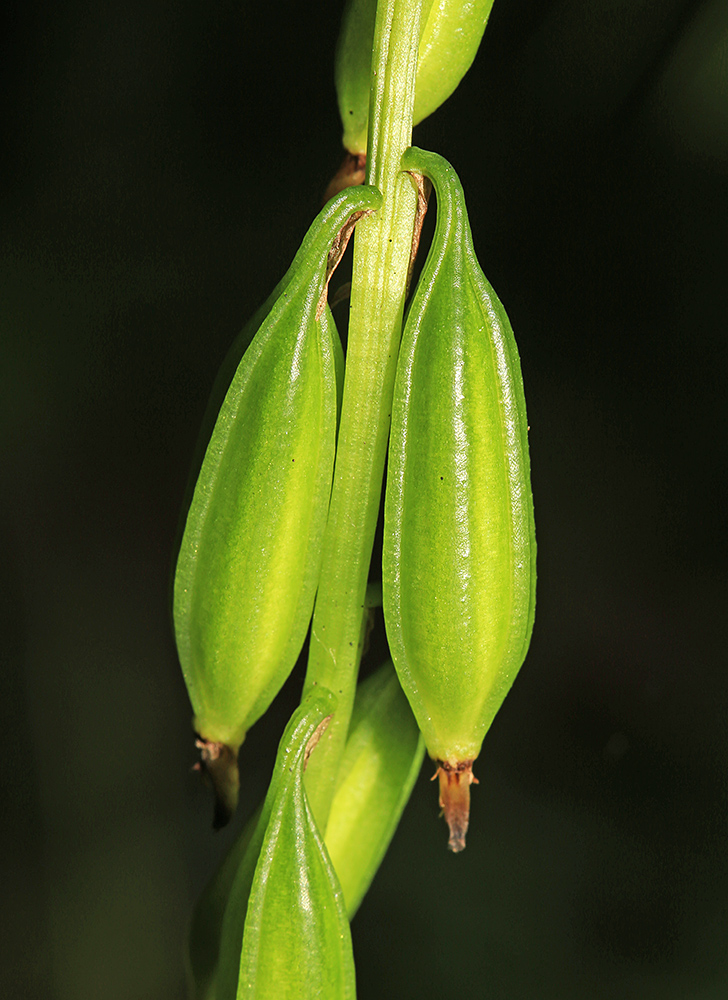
383,756
450,34
459,544
249,558
384,751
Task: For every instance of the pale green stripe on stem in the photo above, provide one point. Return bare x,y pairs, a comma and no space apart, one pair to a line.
381,259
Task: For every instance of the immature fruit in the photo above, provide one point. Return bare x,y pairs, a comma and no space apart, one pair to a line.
249,559
459,545
352,69
283,932
450,38
297,941
451,31
382,759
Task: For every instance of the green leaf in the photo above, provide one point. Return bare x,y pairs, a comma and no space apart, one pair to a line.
297,941
380,765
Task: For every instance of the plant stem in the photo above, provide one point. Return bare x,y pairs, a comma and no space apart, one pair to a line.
381,259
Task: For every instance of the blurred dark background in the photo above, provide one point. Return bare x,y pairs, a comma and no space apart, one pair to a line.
160,164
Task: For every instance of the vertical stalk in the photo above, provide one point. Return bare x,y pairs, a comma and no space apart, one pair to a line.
381,259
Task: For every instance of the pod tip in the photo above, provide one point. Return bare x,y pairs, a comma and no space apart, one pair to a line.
455,782
219,765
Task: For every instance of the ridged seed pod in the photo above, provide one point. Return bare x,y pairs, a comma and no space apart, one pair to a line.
459,545
249,559
383,757
450,38
451,31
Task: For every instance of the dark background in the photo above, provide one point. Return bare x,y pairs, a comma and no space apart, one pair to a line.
160,164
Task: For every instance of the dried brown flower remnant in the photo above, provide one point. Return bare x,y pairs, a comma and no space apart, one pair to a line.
219,765
455,782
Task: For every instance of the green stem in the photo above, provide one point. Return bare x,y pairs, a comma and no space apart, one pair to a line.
381,259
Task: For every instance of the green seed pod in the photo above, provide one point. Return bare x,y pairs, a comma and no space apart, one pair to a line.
297,941
448,45
459,545
449,40
382,759
249,559
352,68
283,931
218,922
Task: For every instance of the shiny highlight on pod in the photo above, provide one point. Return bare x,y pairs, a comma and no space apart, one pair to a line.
449,39
459,558
249,559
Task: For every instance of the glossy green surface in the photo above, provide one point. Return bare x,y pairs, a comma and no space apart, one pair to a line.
219,922
448,44
249,559
449,40
380,765
459,544
352,66
297,941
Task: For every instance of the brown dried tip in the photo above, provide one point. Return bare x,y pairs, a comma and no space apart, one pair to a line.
219,766
455,782
316,736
